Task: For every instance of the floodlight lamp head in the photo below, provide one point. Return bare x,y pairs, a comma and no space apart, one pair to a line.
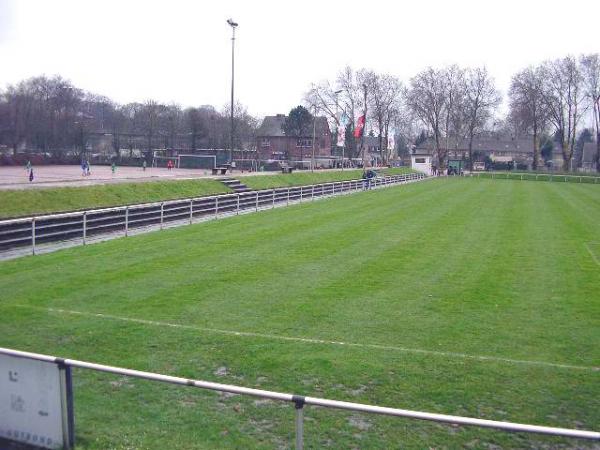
232,23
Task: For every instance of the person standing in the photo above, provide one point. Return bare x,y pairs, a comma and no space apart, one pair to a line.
144,166
113,168
31,174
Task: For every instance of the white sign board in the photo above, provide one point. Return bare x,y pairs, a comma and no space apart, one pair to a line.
31,403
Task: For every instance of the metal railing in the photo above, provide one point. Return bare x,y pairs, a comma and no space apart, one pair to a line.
524,176
300,401
81,227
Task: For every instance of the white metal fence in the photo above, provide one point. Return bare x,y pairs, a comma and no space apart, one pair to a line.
300,401
525,176
29,234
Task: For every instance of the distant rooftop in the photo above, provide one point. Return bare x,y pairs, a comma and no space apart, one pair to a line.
272,126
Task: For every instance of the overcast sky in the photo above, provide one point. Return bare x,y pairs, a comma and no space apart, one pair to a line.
179,51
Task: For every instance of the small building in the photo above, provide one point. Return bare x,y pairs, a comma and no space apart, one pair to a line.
588,159
421,162
518,150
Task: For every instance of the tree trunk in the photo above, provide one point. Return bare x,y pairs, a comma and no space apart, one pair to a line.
471,152
598,152
536,149
566,156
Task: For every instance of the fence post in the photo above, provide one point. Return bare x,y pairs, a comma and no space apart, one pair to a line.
84,226
191,210
288,197
273,206
313,192
33,235
216,207
333,189
162,211
300,194
126,220
257,200
237,207
299,406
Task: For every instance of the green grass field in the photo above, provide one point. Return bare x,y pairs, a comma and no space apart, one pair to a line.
460,296
17,202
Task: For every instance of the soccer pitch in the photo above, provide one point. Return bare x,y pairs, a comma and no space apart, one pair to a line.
459,296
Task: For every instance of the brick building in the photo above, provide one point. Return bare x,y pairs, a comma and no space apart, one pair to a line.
273,144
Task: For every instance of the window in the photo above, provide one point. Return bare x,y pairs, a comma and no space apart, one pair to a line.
265,143
305,143
419,160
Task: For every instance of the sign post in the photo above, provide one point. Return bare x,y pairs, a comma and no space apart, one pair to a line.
36,402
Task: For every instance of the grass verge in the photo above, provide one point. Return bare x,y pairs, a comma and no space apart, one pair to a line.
306,177
16,203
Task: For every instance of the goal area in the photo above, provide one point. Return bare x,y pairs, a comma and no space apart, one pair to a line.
186,161
162,161
197,161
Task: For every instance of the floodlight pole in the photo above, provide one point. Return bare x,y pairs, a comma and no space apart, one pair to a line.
233,26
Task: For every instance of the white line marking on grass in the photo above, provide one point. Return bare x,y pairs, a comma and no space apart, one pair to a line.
592,254
317,341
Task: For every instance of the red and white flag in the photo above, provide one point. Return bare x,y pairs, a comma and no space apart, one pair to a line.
360,126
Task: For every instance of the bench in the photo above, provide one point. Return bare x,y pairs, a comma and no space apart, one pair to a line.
287,169
219,170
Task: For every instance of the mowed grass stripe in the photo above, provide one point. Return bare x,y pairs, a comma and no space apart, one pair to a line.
308,340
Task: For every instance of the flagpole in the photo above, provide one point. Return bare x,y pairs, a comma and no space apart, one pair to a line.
362,139
337,123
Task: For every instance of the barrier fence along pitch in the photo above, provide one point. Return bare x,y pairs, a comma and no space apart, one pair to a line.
83,226
528,176
300,401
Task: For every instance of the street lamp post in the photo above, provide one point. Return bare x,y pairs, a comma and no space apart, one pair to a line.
233,26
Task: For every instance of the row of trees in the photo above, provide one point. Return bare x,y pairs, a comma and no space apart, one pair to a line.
53,116
453,105
553,98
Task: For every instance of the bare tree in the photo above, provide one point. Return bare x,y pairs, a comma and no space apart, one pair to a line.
428,100
149,114
563,97
590,67
480,100
528,110
384,101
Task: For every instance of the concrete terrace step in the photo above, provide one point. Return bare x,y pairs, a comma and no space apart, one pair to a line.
236,185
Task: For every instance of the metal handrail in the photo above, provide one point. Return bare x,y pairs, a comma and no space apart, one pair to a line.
145,215
301,401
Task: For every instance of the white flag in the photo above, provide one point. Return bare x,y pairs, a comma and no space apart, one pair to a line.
341,136
391,141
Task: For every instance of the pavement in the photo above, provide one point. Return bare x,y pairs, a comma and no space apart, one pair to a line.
12,177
